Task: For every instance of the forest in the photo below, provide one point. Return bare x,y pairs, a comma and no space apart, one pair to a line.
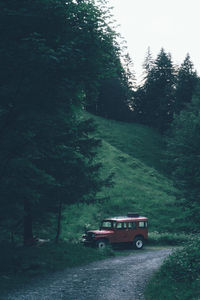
77,135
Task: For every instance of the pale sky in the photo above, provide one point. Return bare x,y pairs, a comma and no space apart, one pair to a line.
171,24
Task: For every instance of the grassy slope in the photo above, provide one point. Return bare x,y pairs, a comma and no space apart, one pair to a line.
133,153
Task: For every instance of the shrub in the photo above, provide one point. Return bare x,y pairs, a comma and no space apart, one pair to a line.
184,264
167,238
179,276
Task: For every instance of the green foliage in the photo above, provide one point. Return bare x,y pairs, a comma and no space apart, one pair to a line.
134,158
167,238
165,90
183,158
80,217
114,92
184,265
113,100
153,104
186,81
178,277
53,55
148,62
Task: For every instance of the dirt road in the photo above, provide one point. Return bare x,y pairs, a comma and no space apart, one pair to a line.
121,277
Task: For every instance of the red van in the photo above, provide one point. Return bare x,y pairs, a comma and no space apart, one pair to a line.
132,228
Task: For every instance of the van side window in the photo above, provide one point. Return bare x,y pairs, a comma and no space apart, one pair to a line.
142,224
131,225
120,225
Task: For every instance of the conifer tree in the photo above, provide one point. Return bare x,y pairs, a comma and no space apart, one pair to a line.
115,91
183,160
148,62
154,99
185,84
48,57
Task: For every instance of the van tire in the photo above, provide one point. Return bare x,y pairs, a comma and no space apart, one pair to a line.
138,242
101,244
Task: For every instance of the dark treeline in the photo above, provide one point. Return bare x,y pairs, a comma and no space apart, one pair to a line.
165,90
115,93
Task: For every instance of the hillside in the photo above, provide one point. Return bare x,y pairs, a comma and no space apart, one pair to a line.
133,153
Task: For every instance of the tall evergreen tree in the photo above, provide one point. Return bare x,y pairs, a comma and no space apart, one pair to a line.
148,62
138,103
154,99
183,159
185,84
113,100
129,73
48,55
113,96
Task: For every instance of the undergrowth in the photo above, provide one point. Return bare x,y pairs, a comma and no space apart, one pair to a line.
18,265
179,276
167,238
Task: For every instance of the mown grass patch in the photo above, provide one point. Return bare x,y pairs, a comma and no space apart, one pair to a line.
179,276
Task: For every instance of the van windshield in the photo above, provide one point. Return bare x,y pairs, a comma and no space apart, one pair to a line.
107,224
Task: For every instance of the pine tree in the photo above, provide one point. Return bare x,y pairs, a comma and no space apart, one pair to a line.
148,62
48,55
185,84
183,160
129,73
113,100
155,98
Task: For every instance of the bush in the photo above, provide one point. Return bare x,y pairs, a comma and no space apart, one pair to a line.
167,238
179,276
184,264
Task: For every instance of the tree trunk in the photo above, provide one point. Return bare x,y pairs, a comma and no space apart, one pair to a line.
28,230
59,220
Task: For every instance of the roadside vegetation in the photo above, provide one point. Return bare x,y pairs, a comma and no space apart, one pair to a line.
178,278
168,238
19,266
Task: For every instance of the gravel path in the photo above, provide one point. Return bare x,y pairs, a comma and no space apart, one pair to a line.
122,277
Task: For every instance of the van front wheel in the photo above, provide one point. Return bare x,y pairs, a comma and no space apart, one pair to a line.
101,244
138,243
